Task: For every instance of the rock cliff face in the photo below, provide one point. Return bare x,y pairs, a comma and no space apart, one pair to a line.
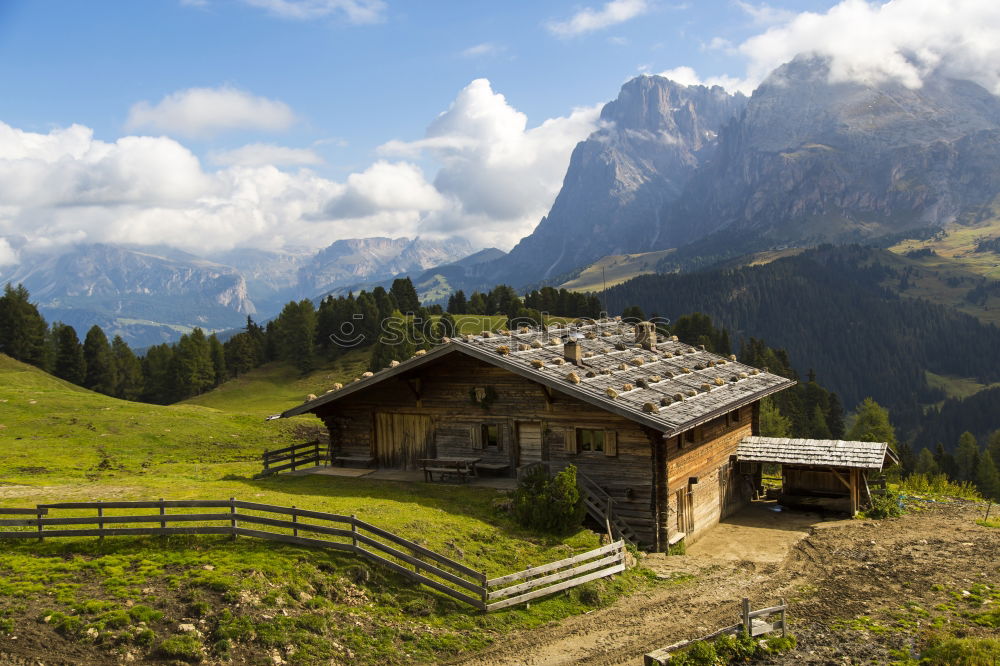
804,160
654,137
359,260
810,160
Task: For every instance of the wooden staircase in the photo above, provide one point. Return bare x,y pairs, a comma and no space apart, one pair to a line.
601,507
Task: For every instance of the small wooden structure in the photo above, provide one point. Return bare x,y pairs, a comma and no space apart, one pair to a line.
651,424
753,622
832,473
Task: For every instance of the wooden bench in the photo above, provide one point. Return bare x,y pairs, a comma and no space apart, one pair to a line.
342,460
447,468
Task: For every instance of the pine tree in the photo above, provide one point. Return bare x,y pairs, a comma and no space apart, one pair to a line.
926,464
817,424
477,304
993,446
405,295
988,476
218,355
945,461
835,417
100,375
296,331
772,423
872,424
966,457
22,328
128,370
159,384
457,303
192,367
69,363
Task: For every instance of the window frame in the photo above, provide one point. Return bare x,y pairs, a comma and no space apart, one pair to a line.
595,433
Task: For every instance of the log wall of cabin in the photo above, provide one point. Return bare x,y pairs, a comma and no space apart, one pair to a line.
443,391
719,488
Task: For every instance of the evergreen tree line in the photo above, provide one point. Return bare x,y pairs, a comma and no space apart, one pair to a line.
504,300
965,463
829,309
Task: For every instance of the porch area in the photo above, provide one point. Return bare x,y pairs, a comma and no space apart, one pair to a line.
407,475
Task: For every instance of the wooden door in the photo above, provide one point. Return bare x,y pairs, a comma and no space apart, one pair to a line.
401,440
685,510
529,442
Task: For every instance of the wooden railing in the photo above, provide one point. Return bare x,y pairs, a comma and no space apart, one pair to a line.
296,455
753,623
325,530
601,507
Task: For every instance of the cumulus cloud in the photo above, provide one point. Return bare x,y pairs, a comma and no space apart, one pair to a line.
484,49
262,154
494,178
500,176
901,40
8,256
589,19
204,111
355,11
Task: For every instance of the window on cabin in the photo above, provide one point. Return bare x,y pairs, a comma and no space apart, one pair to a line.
491,435
688,438
589,440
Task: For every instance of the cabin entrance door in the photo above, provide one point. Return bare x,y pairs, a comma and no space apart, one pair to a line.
401,440
529,442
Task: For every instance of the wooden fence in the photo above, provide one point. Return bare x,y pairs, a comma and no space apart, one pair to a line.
325,530
753,622
296,455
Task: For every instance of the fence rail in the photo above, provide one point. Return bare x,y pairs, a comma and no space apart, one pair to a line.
326,530
297,455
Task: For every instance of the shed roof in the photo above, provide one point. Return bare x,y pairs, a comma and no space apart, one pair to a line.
671,387
815,452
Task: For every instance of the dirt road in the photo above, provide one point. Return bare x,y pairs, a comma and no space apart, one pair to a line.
831,572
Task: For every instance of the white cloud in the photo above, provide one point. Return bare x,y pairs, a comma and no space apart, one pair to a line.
8,255
688,77
871,42
484,49
588,19
495,179
262,154
500,176
205,111
355,11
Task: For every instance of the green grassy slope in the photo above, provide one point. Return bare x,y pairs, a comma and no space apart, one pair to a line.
251,600
615,269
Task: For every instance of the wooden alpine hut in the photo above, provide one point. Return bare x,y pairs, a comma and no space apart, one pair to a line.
651,424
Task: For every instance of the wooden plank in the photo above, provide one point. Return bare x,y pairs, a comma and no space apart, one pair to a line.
552,578
478,603
19,522
440,573
545,568
302,513
767,611
21,512
299,462
310,453
120,531
205,504
293,525
513,601
297,540
662,656
150,518
290,448
417,548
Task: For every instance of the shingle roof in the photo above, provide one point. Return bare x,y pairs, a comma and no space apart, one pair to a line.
818,452
671,387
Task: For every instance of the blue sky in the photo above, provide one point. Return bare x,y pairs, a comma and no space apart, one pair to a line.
281,124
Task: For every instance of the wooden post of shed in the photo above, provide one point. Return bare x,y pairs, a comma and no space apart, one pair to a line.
745,617
854,491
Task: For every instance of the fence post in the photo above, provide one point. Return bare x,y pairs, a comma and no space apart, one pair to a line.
316,454
354,531
232,512
784,622
746,617
293,459
100,521
163,511
295,519
988,507
40,537
267,462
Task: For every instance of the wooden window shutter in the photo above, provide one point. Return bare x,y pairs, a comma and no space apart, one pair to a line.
571,440
503,437
610,443
476,436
